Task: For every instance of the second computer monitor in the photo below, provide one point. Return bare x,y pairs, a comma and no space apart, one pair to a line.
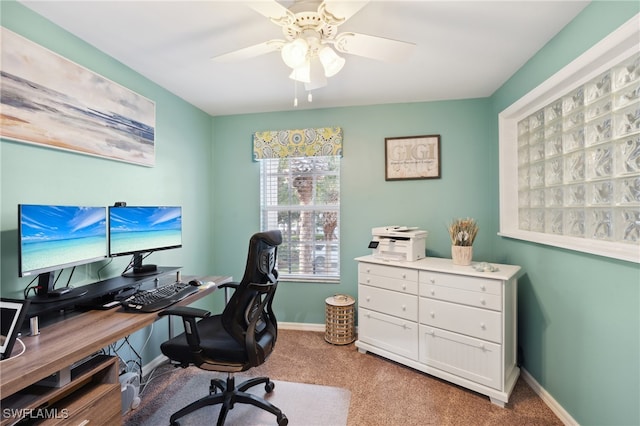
140,230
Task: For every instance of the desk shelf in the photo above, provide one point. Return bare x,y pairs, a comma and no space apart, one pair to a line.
94,391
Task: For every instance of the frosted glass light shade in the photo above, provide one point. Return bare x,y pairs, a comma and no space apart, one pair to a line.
294,53
331,62
301,73
317,76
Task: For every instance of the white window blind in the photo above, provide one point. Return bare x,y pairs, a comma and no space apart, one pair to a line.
301,197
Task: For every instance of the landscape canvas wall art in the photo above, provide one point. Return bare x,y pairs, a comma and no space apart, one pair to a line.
47,100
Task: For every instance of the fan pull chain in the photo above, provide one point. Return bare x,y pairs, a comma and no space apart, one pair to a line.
295,93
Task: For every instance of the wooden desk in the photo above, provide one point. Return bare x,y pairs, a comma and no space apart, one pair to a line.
67,342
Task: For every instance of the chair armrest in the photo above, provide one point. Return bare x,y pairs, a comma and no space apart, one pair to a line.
189,320
185,311
261,287
233,285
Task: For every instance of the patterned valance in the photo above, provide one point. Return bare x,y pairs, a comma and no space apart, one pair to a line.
323,141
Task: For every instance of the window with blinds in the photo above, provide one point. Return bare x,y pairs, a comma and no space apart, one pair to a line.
300,196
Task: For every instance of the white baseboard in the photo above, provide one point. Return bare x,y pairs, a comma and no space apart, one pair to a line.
301,326
546,397
153,364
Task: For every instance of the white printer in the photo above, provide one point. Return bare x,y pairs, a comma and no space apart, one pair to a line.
398,243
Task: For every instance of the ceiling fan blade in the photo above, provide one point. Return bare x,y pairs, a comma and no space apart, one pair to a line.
273,10
251,51
380,48
335,12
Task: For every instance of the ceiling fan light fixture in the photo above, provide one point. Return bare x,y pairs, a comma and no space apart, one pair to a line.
331,61
317,78
294,53
302,73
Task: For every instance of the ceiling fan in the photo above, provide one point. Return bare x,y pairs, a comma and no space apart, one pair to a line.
311,39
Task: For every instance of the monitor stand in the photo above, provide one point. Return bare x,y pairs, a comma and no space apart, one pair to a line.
143,271
140,270
47,294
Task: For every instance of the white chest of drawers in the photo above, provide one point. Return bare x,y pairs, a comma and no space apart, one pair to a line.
442,319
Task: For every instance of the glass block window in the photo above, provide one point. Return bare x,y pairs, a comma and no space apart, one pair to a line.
579,160
570,154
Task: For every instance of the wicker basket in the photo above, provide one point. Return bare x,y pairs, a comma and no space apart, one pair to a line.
340,319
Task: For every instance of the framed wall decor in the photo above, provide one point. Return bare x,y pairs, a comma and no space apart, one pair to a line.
49,101
412,157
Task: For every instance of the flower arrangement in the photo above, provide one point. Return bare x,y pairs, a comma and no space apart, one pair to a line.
463,231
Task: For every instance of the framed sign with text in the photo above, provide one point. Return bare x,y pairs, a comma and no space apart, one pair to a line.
412,157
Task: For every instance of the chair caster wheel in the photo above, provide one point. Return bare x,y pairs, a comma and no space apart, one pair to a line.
176,423
269,386
283,421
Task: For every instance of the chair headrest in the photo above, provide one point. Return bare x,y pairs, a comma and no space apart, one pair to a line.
273,237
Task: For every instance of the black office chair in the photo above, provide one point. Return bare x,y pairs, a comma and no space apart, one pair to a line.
240,338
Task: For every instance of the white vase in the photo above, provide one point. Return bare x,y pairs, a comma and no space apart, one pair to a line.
461,255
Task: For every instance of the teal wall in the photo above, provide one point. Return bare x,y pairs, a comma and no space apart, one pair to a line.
578,314
181,176
466,188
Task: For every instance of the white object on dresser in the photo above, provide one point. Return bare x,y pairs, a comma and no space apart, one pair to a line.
450,321
398,243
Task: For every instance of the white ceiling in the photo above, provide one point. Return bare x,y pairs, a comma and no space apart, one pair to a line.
465,49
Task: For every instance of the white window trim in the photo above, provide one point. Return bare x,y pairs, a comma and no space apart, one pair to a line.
303,278
620,44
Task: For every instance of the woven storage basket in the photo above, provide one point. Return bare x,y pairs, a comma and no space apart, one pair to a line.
340,319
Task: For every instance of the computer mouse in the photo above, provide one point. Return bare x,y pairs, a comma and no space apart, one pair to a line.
196,283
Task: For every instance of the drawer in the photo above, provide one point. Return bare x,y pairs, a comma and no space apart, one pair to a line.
389,333
464,356
388,271
395,284
481,285
474,322
390,302
465,297
92,404
389,277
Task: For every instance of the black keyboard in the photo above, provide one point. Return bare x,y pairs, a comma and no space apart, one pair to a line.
158,298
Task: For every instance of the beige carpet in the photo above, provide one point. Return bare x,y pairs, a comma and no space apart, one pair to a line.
383,393
303,404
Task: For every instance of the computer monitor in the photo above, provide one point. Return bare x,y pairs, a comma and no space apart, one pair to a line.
53,237
140,230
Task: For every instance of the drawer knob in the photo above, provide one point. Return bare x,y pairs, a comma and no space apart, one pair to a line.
433,314
368,299
433,280
483,326
368,280
404,307
483,287
404,286
433,292
484,302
